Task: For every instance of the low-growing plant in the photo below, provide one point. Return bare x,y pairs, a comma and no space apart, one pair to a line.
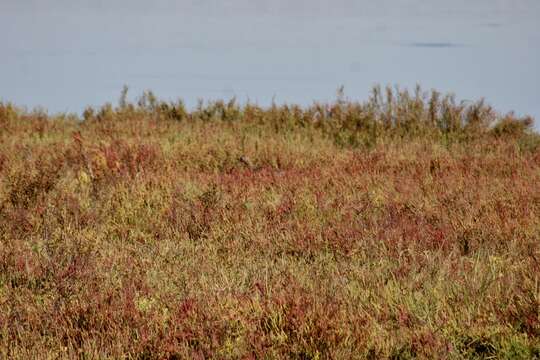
405,226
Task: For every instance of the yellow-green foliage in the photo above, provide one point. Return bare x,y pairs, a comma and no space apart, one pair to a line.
404,227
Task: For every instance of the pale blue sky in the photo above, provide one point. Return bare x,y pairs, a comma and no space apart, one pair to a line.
66,54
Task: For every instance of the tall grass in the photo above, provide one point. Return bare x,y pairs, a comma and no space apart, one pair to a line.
405,226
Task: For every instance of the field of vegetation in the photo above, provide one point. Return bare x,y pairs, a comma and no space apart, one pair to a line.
405,226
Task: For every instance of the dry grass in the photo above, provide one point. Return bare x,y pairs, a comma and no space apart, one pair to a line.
403,227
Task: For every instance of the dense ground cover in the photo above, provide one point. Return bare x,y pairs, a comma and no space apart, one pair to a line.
407,226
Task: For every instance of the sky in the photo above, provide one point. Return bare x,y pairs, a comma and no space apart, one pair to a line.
63,55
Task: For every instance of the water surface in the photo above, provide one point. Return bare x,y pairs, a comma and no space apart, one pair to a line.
64,55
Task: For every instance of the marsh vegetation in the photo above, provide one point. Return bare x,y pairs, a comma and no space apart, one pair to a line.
405,226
